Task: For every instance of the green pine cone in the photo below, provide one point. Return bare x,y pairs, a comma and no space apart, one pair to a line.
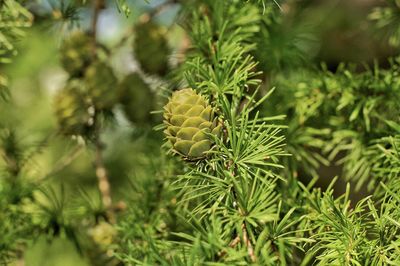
151,48
189,118
135,92
76,53
103,234
101,85
72,110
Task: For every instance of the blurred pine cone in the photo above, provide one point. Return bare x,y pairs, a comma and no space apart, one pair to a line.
137,99
151,48
77,53
103,234
72,110
102,85
189,119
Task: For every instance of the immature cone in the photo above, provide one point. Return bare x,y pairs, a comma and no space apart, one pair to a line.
101,85
189,119
72,110
151,48
103,234
137,99
76,53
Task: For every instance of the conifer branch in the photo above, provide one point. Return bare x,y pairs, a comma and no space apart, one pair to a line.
246,240
98,5
143,19
63,162
157,10
234,242
103,181
248,244
101,171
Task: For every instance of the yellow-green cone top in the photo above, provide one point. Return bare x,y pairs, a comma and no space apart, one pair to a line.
189,119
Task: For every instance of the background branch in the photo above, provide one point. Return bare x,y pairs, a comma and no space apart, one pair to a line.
101,171
103,182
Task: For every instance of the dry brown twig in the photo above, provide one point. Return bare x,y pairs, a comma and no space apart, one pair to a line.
248,244
103,182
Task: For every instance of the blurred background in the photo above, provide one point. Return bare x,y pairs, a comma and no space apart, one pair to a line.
297,34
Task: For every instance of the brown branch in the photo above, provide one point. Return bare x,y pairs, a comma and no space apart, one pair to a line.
20,260
156,10
246,239
232,244
98,5
101,171
147,16
103,182
248,244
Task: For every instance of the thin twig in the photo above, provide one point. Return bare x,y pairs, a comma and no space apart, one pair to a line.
248,244
245,237
234,242
101,171
64,161
156,10
20,261
42,144
144,18
103,182
97,6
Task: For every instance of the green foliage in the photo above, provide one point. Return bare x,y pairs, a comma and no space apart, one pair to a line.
351,106
243,203
14,228
285,40
123,7
13,19
230,194
387,19
359,235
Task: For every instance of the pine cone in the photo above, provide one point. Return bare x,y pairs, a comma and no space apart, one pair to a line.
101,85
72,110
135,92
76,53
189,119
151,48
103,234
